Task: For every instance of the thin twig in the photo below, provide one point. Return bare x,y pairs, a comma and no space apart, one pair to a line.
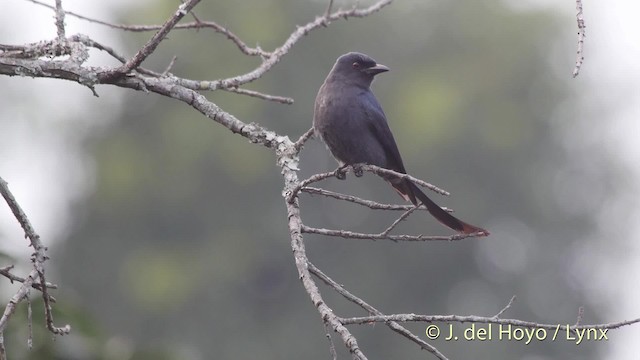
15,299
370,168
310,180
398,220
48,313
60,21
94,44
85,40
193,14
482,319
364,236
29,232
394,174
34,50
257,94
269,58
6,47
580,315
171,63
29,323
327,12
197,24
38,259
151,45
370,309
3,351
278,53
332,346
303,139
513,298
356,200
581,36
6,272
79,16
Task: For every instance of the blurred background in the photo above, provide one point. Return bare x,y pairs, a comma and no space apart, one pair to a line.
168,234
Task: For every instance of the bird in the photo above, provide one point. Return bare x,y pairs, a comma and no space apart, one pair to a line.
350,121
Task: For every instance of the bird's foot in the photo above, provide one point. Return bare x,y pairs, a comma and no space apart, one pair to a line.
341,172
357,170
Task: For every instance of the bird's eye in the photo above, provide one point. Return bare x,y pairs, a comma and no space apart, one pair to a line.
356,65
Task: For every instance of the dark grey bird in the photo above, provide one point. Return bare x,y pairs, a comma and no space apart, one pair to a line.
350,121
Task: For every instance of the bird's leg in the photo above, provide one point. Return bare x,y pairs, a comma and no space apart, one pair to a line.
357,170
341,172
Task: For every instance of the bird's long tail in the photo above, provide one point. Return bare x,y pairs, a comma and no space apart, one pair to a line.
412,192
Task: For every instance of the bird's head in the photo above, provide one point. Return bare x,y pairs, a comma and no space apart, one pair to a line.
358,68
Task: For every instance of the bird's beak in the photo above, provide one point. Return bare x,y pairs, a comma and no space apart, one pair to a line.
376,69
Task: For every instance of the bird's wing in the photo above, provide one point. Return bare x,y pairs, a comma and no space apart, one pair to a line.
377,124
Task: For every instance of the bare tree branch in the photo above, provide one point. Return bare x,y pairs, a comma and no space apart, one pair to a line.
356,200
151,45
3,351
257,94
64,330
364,236
85,40
170,66
15,300
513,298
398,220
482,319
196,25
292,196
29,322
270,58
315,178
60,21
71,13
6,272
581,36
303,139
286,155
38,258
386,172
332,346
278,53
327,12
580,315
370,168
358,301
